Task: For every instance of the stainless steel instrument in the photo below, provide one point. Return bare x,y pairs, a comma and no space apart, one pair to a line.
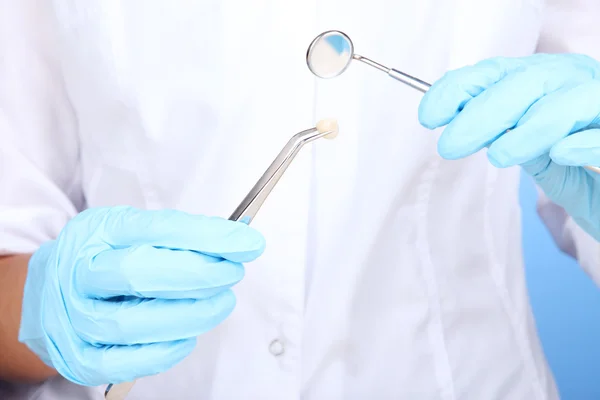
254,200
331,53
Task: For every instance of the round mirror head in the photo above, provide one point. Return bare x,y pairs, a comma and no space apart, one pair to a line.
329,54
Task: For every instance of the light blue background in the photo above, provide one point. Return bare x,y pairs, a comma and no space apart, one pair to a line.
566,304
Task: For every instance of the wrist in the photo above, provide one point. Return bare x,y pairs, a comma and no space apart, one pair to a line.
31,331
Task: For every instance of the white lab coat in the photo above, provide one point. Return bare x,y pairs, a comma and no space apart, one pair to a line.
389,272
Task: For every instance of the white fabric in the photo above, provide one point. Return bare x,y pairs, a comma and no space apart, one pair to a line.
389,273
571,26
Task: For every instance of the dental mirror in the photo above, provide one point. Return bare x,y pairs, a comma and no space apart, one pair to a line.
330,54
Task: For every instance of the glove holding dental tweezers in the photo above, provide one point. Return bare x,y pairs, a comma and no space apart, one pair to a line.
540,112
122,293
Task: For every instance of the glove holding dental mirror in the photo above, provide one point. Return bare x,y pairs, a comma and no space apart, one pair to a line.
540,112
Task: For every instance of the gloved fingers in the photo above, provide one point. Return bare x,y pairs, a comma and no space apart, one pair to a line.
235,241
117,364
549,120
146,271
450,94
579,149
499,108
142,321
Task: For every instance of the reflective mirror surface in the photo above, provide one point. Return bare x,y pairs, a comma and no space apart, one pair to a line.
329,54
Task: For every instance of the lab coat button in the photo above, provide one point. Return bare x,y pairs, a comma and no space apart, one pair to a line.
276,348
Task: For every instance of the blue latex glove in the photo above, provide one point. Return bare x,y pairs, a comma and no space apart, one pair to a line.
550,103
122,293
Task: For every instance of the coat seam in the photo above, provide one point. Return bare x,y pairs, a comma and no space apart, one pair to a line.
436,330
495,272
